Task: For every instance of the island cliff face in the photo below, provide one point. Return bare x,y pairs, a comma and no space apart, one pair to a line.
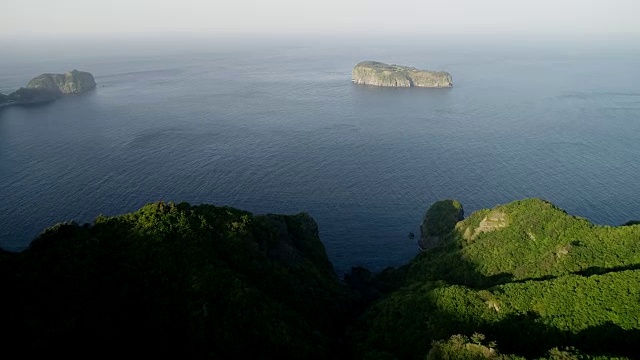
73,82
50,87
380,74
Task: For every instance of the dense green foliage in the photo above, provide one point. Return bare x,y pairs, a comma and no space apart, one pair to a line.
538,240
521,280
194,281
527,275
460,347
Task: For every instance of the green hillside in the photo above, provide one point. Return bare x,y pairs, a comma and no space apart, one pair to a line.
175,280
526,275
523,280
528,239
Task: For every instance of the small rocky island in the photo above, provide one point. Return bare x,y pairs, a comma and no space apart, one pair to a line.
50,87
381,74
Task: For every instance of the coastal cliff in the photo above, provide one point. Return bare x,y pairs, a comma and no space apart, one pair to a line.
381,74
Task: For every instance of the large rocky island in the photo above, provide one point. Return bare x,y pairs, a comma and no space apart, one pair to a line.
381,74
73,82
50,87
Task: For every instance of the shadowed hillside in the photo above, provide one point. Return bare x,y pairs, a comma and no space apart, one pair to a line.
190,281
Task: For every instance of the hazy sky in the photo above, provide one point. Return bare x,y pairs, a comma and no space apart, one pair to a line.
222,17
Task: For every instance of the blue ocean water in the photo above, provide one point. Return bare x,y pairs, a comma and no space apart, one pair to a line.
280,128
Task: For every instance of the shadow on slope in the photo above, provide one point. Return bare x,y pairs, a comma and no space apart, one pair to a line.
406,323
526,335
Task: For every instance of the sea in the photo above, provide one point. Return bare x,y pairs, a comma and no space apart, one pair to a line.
276,126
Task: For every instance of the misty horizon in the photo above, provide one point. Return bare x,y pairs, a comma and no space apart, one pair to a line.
39,18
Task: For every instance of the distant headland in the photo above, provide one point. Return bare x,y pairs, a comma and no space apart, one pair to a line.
381,74
50,87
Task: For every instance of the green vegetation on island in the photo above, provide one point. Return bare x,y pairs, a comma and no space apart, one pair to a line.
380,74
523,280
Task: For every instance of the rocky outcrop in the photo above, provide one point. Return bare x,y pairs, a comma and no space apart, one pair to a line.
73,82
380,74
439,221
494,221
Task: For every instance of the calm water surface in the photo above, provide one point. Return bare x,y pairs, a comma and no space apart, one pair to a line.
282,129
